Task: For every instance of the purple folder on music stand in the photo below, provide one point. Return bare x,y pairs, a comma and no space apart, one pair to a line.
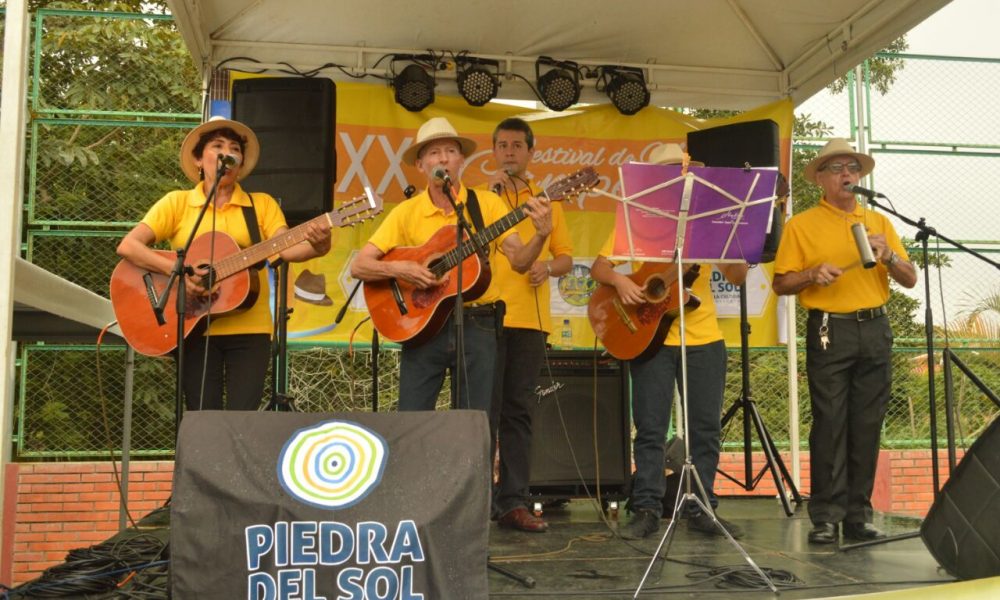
728,212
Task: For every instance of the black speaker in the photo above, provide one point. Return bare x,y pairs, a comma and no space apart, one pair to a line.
753,143
568,412
293,118
961,529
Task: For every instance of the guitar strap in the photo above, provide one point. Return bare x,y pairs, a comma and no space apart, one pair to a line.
472,201
250,214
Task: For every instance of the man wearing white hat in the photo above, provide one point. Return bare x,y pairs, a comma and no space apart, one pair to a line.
653,381
437,148
238,345
848,337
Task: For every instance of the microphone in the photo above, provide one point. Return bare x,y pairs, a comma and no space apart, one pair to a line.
229,161
498,187
864,246
857,189
440,174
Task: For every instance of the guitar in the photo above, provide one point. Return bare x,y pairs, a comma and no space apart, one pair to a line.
134,291
408,315
638,330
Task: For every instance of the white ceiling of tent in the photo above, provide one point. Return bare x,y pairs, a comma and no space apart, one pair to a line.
732,54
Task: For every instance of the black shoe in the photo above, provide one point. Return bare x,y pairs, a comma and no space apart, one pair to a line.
703,522
861,532
823,533
644,522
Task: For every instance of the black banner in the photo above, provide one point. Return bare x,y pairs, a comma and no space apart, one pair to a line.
295,506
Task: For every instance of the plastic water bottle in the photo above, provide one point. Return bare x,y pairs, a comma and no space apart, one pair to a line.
566,336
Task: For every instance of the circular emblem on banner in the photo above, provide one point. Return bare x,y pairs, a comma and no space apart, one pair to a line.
576,286
333,464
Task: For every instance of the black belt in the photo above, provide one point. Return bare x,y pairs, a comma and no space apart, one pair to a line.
865,314
480,310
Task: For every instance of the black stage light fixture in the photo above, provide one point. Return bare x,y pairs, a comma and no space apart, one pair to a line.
477,84
559,87
626,87
414,86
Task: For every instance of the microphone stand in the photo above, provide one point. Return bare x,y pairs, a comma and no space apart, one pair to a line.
280,400
459,311
923,235
177,273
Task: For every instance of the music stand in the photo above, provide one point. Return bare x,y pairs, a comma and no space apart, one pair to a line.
705,215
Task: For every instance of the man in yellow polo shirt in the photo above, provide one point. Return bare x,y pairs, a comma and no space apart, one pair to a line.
653,382
412,223
848,340
521,347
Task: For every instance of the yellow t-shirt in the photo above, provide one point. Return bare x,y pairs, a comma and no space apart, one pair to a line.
700,324
413,222
822,234
172,217
522,309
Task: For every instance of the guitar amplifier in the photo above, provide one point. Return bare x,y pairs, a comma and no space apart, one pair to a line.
580,394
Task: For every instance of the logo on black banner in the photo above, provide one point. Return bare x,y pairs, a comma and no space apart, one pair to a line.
333,464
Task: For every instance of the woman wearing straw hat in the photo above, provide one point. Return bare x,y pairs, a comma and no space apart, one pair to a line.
237,345
653,381
437,148
848,340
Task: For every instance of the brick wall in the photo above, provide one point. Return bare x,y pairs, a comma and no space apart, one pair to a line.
57,507
52,508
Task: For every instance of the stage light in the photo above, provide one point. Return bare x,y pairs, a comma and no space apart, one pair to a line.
475,81
559,87
414,86
626,87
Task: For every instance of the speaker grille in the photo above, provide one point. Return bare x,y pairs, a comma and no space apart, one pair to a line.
563,428
962,530
294,121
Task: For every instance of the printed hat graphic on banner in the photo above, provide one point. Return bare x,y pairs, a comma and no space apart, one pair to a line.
311,287
332,465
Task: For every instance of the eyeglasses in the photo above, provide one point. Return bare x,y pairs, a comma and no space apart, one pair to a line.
839,167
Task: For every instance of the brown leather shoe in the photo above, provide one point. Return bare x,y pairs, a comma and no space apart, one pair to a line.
522,519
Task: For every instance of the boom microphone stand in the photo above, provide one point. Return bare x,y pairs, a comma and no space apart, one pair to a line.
177,277
923,235
751,414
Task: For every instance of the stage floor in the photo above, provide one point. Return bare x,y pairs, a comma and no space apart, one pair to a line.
580,558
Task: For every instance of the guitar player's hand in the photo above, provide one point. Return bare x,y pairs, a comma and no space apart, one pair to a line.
540,211
628,290
415,274
194,283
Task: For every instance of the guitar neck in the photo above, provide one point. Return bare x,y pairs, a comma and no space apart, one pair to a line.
480,239
258,253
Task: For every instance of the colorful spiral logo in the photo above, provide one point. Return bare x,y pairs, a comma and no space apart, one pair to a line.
333,464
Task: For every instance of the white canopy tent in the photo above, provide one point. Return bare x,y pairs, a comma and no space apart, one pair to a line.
730,54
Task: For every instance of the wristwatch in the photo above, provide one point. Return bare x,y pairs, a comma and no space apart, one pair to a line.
893,257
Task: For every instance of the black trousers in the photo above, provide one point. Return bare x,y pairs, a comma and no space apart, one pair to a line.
237,365
520,354
849,385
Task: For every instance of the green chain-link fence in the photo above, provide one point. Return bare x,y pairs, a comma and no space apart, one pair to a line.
108,118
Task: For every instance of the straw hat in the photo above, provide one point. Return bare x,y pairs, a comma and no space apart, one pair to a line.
434,129
250,153
837,147
670,154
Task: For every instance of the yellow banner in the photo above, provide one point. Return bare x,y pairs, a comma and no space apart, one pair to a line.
373,132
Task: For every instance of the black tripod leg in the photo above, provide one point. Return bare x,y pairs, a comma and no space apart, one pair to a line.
774,462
